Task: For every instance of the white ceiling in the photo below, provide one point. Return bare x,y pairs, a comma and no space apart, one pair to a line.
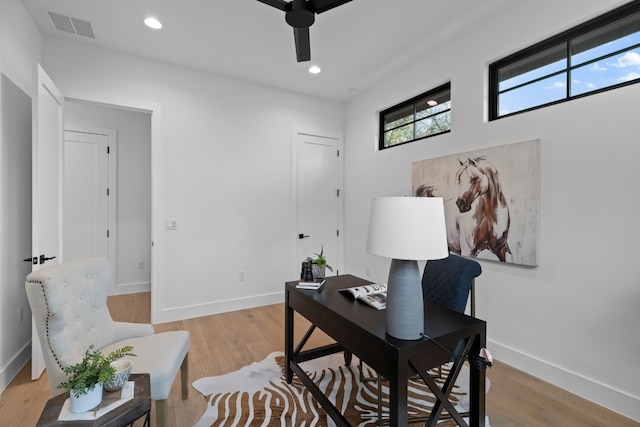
356,44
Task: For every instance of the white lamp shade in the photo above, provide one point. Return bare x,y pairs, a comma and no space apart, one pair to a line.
408,228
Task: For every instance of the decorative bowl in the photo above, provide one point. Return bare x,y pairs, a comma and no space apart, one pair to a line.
123,370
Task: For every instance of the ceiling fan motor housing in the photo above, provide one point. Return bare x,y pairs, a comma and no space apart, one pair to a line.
301,15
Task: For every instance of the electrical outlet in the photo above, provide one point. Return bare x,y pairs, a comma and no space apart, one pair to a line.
242,276
171,224
20,314
140,265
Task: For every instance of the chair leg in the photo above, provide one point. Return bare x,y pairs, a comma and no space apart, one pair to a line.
377,378
473,297
380,420
161,405
161,413
184,376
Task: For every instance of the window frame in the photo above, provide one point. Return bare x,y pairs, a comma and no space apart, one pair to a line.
566,37
413,102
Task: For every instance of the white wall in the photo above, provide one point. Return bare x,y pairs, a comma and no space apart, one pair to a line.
225,174
20,45
133,192
573,320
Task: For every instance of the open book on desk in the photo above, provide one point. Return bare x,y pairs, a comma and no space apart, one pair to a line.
375,295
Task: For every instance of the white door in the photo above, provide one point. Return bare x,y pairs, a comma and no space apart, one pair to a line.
48,128
319,199
88,212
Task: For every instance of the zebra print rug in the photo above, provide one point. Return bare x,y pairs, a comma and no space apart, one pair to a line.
258,395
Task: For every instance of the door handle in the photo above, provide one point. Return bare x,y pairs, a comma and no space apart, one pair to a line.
301,236
33,260
44,259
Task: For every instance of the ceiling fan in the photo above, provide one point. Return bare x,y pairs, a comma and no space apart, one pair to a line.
301,14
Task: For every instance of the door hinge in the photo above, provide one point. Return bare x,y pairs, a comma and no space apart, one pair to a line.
108,150
338,233
338,192
108,192
107,234
338,153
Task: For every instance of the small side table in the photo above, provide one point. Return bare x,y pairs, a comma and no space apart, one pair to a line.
122,416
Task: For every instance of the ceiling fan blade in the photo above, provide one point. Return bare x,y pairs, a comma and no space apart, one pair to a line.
324,5
278,4
303,47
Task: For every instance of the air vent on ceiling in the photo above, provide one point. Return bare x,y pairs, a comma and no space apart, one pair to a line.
71,25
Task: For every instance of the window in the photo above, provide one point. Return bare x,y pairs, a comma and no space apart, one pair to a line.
599,55
425,115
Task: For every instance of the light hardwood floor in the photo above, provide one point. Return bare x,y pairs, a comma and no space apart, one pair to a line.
225,342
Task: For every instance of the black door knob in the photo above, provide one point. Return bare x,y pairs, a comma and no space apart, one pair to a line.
44,259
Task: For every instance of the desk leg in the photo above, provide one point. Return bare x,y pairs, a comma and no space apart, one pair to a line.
348,357
288,338
398,385
477,386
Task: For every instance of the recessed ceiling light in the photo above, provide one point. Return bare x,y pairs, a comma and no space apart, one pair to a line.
152,22
314,69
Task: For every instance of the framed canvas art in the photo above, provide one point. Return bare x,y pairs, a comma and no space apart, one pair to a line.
491,199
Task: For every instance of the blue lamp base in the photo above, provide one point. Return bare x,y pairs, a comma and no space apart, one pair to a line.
405,307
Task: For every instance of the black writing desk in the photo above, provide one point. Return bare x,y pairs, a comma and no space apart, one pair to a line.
360,330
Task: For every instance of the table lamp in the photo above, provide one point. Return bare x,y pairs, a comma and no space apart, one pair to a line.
406,229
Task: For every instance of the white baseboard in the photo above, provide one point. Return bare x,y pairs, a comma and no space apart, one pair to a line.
131,288
9,371
601,394
216,307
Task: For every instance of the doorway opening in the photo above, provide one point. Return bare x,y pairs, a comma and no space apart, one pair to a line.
108,173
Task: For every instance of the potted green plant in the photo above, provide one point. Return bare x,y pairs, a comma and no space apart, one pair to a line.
318,264
87,377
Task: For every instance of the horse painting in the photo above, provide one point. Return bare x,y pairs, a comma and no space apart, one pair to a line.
478,215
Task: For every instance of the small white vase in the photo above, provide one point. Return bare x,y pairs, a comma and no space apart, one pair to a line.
87,401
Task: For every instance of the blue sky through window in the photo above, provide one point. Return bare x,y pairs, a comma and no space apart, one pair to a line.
605,65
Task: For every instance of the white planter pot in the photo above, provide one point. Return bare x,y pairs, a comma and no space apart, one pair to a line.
86,401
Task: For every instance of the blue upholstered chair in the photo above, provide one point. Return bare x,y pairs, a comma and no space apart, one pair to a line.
448,281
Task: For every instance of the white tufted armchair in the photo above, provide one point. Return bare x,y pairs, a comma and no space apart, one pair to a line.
69,306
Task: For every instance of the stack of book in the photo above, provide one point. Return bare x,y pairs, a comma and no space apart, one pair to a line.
314,285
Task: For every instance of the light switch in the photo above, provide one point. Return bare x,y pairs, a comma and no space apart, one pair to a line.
172,224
